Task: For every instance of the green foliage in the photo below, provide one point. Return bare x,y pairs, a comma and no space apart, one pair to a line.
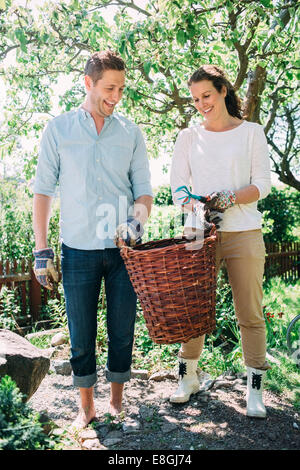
164,222
57,310
16,228
10,308
20,428
161,47
282,210
163,196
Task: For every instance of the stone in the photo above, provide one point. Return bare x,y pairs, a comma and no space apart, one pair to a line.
146,413
38,334
139,374
114,435
168,427
92,444
58,432
61,367
58,339
88,434
112,441
207,384
163,375
24,363
130,426
222,384
49,352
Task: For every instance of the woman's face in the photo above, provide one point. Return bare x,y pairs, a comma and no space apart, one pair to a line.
208,101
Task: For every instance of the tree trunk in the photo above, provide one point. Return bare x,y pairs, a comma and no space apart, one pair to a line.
257,79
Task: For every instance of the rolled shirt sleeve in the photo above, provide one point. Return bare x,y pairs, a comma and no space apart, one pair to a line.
47,173
139,172
260,164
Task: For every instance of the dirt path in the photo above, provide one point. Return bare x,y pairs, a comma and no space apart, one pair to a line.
213,419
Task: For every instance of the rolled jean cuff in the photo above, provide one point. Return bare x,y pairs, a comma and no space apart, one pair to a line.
86,381
118,377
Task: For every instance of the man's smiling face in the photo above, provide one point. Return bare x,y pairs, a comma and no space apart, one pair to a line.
106,93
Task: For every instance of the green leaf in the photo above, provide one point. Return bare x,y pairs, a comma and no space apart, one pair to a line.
181,37
147,67
266,3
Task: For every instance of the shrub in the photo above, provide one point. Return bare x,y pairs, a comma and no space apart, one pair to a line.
163,196
281,212
20,428
10,308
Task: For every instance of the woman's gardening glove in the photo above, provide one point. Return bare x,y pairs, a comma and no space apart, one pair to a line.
208,217
44,269
130,232
221,200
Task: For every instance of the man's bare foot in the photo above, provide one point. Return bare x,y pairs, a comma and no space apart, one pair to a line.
115,410
84,418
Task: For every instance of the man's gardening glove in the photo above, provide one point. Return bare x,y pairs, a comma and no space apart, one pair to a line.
221,200
44,269
130,231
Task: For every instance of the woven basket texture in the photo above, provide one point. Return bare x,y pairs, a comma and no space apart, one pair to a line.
175,282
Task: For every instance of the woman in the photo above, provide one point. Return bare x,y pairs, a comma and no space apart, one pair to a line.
226,157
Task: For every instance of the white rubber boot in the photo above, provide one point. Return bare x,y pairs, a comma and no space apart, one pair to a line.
255,381
188,381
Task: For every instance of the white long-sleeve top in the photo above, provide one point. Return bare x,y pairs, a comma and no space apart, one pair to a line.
211,161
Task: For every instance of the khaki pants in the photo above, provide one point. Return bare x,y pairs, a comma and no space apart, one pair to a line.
244,256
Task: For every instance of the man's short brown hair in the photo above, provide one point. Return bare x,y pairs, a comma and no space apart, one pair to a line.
101,61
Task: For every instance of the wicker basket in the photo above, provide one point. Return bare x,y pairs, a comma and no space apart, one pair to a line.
175,281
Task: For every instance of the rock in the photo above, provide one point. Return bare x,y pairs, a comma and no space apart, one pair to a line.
223,425
295,426
49,352
222,384
62,367
93,444
163,375
207,384
131,426
88,434
58,432
146,413
168,427
24,363
140,374
239,388
58,339
240,381
111,441
114,435
38,334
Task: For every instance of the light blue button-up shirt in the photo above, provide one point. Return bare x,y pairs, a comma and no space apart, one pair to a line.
99,176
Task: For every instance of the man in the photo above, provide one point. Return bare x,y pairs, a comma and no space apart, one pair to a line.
100,161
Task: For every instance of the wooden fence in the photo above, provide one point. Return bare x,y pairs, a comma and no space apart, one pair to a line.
32,296
282,260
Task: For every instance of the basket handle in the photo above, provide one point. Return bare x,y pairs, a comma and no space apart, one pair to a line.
124,248
213,231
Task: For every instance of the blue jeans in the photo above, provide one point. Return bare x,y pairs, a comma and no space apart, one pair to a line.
82,272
